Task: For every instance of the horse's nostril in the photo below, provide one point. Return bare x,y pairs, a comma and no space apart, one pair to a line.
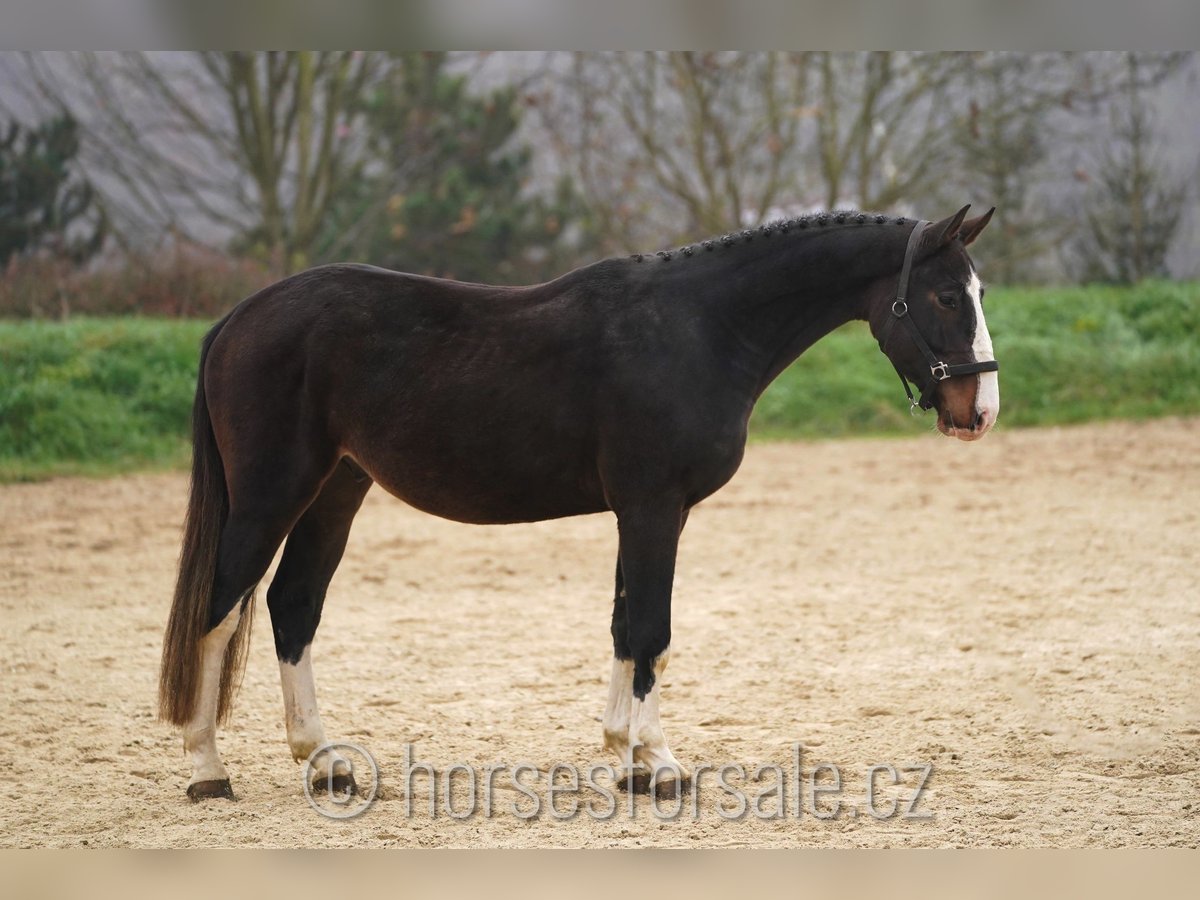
980,419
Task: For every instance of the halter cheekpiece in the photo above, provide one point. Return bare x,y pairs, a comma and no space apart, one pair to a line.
938,370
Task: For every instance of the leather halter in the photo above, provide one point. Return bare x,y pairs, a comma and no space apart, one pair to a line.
939,371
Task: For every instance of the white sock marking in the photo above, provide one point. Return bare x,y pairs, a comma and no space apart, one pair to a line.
200,734
304,731
645,732
620,701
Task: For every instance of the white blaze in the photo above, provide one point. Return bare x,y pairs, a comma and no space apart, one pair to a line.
987,395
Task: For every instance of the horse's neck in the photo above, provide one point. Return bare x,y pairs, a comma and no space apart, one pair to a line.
786,292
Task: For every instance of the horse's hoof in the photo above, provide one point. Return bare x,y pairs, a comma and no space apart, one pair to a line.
339,784
639,784
672,789
209,790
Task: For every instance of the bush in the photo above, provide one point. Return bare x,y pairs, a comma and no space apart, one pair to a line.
185,282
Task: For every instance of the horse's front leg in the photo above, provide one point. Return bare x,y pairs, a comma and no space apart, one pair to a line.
620,694
649,538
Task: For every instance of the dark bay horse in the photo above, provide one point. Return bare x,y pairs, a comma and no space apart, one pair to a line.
625,385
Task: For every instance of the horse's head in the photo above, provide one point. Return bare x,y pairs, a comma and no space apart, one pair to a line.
942,309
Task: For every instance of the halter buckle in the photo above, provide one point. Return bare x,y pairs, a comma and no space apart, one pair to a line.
914,406
899,309
940,371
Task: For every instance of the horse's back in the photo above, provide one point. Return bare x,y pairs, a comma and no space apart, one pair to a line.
475,402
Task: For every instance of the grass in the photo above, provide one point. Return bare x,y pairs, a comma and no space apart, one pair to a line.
100,396
95,396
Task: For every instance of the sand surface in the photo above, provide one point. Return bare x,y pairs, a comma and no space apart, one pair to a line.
1021,614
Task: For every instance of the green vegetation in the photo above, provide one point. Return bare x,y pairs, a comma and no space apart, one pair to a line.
445,186
42,197
95,396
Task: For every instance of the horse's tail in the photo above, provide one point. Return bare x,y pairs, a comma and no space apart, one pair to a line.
208,507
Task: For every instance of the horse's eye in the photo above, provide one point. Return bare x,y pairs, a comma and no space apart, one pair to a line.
948,300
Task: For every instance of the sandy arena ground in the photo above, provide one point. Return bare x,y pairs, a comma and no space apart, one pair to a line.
1022,614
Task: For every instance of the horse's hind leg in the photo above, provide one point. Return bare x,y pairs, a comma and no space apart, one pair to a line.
295,598
209,778
265,502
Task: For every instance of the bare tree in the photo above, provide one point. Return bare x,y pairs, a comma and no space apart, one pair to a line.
1010,117
675,144
218,143
881,132
666,145
1021,122
152,174
663,147
292,114
1134,209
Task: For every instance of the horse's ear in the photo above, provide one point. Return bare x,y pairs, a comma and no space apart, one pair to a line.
943,232
971,228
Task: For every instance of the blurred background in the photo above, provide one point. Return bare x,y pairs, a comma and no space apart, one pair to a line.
156,186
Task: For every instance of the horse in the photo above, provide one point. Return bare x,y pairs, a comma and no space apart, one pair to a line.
625,385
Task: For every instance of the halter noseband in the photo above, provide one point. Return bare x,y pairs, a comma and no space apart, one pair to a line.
938,371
